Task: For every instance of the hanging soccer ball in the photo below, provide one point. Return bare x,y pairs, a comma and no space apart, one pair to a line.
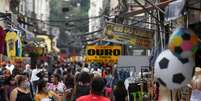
183,43
173,72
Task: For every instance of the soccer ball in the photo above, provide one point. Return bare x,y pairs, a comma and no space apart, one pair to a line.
173,72
183,43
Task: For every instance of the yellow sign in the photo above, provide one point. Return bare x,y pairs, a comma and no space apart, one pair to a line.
103,54
132,35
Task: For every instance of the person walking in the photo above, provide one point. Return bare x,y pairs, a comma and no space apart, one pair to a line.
82,85
57,86
97,87
120,92
44,94
22,91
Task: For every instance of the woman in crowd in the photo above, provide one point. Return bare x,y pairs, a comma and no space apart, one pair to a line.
57,86
44,94
120,93
22,91
69,82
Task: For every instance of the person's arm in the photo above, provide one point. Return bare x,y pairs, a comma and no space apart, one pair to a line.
13,95
58,98
74,89
73,92
113,98
126,99
6,92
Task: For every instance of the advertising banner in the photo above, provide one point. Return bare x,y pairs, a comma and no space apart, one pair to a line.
135,36
103,54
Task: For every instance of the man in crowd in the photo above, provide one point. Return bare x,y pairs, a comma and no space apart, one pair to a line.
97,87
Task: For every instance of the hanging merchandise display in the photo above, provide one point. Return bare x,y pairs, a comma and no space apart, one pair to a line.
18,43
2,40
11,38
183,42
173,72
174,10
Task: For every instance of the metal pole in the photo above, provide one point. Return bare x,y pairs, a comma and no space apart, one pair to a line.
171,95
161,23
155,6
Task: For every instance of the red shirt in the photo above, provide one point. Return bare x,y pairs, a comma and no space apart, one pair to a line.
92,97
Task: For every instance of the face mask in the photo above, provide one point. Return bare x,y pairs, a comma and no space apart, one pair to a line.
46,79
25,85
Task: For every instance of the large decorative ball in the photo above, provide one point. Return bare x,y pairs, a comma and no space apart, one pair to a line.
173,72
183,43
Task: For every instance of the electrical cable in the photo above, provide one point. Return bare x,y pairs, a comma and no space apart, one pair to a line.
63,21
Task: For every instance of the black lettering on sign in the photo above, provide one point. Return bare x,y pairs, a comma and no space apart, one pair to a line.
91,52
108,52
104,52
99,52
116,52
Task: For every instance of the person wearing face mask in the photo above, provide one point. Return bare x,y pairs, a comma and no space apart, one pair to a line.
22,91
44,94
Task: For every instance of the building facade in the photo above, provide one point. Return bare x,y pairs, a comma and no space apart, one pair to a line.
4,7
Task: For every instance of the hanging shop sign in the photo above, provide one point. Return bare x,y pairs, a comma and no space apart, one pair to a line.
136,36
103,54
35,51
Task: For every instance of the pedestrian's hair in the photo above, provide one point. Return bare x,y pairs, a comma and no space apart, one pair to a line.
84,77
41,84
120,86
57,76
19,79
97,85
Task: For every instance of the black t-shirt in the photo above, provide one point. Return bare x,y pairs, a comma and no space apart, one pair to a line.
82,90
2,95
23,96
120,95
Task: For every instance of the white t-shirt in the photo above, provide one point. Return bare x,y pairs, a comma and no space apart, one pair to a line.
10,67
45,99
128,81
34,76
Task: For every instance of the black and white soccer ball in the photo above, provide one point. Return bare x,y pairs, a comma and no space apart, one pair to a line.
173,72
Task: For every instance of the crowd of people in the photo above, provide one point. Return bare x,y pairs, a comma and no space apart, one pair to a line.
66,82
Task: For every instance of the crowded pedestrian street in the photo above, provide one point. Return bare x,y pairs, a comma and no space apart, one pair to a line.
100,50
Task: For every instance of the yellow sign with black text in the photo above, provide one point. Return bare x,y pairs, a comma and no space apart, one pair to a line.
135,36
103,54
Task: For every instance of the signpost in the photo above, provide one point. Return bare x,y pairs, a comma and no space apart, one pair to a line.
135,36
103,54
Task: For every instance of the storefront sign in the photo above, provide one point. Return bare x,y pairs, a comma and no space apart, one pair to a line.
103,54
132,35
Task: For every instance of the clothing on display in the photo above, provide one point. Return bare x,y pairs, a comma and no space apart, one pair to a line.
135,93
123,74
2,40
11,38
19,45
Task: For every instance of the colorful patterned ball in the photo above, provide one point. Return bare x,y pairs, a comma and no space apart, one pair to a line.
183,42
